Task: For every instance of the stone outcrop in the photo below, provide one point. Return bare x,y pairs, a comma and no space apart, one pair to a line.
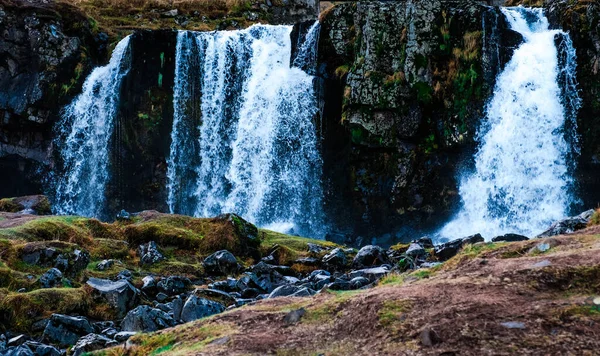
404,89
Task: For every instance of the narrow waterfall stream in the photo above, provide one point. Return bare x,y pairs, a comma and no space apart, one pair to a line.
244,138
521,181
84,135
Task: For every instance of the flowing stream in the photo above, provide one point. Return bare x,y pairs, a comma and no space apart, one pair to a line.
522,182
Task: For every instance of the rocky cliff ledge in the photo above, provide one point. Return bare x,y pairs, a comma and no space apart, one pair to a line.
405,85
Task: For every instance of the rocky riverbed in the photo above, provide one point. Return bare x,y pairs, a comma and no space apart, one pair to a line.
73,284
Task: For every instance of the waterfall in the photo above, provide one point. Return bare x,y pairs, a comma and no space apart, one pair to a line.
521,180
85,132
244,140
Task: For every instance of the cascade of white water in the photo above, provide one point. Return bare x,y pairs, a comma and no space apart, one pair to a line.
521,181
257,150
84,136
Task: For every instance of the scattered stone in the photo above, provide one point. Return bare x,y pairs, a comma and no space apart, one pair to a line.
51,279
120,294
17,340
369,256
284,291
124,335
514,325
196,308
568,225
145,319
40,349
336,258
149,285
449,249
91,342
220,341
510,238
170,13
308,261
221,263
125,274
415,250
425,241
66,330
149,253
543,247
542,264
294,316
109,332
105,264
161,297
372,274
430,264
174,285
228,285
314,248
123,216
359,282
78,262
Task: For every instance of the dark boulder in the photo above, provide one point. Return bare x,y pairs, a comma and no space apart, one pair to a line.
124,335
173,285
425,241
40,349
449,249
149,285
105,264
65,330
510,238
229,285
359,282
415,250
120,294
568,225
149,253
91,342
221,263
284,291
51,279
145,319
197,308
372,274
335,258
369,256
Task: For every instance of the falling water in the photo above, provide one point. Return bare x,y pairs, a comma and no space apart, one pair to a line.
84,136
256,152
521,180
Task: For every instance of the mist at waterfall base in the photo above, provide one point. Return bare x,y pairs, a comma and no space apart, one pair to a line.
84,136
522,183
244,138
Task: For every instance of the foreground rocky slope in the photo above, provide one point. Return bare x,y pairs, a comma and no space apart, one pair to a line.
73,283
534,297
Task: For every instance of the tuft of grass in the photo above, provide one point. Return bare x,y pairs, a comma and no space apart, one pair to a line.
342,71
392,311
595,219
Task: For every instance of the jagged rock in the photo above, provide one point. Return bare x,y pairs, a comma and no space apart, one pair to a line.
22,350
228,285
51,279
38,256
314,248
173,285
415,250
307,261
197,308
40,349
124,335
145,319
65,330
336,258
339,284
148,284
161,297
372,274
449,249
294,316
215,294
304,292
221,263
123,215
359,282
425,241
149,253
79,261
510,238
170,13
109,332
101,325
17,340
568,225
284,291
105,264
369,256
126,275
91,342
120,294
176,308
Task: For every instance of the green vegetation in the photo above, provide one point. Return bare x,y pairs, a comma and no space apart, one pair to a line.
392,311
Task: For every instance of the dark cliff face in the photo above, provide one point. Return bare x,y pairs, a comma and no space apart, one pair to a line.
582,20
405,86
45,54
